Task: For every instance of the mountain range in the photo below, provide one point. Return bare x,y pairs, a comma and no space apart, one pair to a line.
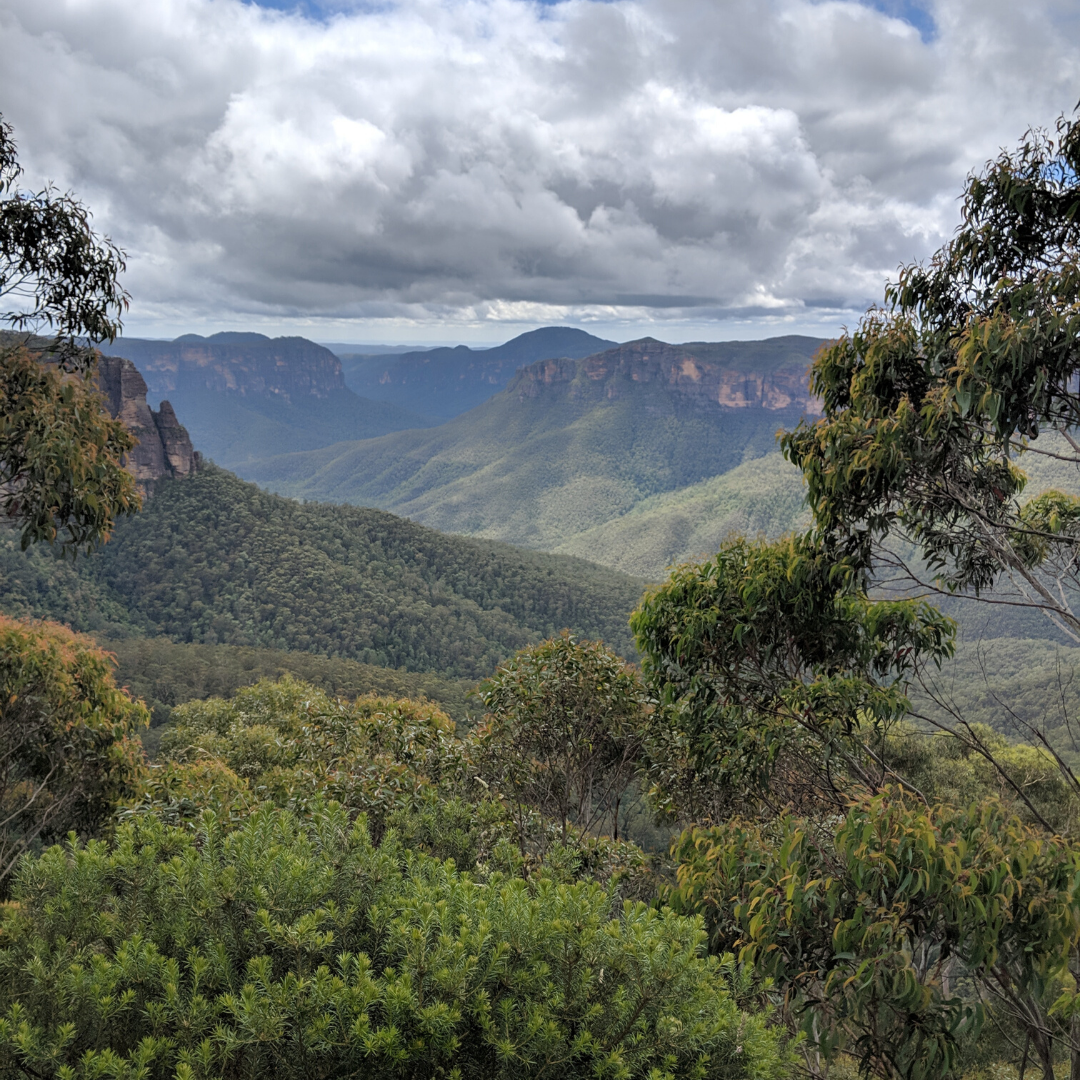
446,382
245,396
570,445
633,457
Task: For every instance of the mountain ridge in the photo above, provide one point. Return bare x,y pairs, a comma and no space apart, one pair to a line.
244,396
570,444
450,380
214,560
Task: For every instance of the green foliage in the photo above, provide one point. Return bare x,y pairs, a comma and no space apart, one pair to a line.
929,401
774,669
985,765
298,949
68,753
40,582
871,932
61,478
214,560
165,674
290,744
59,272
562,732
1022,688
763,496
400,762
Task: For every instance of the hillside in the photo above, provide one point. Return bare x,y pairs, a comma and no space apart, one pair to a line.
246,396
446,382
214,560
571,445
763,496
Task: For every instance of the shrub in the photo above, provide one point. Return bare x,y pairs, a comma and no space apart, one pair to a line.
295,947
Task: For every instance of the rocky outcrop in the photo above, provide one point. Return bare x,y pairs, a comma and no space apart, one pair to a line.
164,448
250,365
768,375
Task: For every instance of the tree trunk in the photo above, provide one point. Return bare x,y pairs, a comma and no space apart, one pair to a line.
1044,1049
1074,1025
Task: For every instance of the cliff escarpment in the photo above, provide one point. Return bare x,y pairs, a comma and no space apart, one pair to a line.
164,450
446,382
246,396
702,376
249,365
571,444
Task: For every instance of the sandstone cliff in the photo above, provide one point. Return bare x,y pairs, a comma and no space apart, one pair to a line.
248,365
164,448
703,376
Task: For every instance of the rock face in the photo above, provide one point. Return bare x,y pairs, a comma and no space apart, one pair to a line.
704,376
164,448
250,365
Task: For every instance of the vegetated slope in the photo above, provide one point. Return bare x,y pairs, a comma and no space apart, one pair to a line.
571,445
212,559
247,396
166,673
446,382
764,496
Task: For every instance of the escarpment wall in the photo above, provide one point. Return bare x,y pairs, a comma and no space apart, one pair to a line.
249,365
705,376
164,448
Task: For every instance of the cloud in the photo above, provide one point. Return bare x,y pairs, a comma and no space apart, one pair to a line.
490,160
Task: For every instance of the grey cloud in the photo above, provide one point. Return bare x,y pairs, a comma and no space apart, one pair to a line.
492,159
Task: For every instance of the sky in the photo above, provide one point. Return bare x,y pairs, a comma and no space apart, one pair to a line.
437,171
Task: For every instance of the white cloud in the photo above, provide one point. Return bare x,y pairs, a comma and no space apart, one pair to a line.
495,161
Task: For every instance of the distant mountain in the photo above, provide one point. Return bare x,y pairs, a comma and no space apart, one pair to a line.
571,445
446,382
245,364
355,348
213,560
244,396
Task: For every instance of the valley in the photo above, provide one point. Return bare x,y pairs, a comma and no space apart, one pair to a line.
570,445
394,572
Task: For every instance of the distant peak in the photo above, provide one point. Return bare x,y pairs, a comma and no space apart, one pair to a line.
238,337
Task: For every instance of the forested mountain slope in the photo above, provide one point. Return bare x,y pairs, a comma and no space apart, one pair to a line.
215,560
446,382
246,396
763,496
571,444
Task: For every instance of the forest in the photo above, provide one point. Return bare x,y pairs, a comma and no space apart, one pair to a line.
351,797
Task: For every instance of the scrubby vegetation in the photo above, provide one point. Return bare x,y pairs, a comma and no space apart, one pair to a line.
165,674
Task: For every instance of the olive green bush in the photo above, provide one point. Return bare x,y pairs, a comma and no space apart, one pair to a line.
296,948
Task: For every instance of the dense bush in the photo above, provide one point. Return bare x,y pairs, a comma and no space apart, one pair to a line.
289,744
297,949
400,762
562,732
68,751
